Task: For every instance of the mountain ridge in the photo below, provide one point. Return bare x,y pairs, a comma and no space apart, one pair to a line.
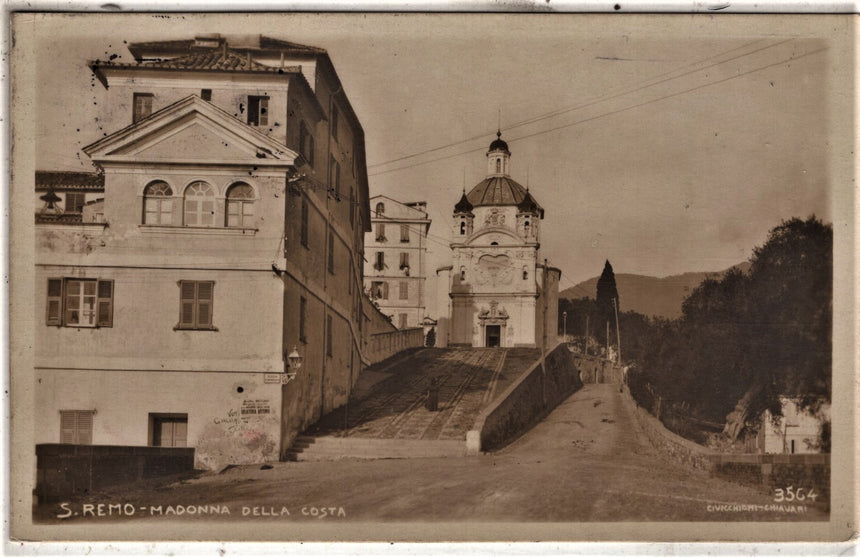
652,296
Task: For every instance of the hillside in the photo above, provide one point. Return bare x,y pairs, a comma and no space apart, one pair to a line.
651,296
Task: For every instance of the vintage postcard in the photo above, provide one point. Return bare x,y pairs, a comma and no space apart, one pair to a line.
432,277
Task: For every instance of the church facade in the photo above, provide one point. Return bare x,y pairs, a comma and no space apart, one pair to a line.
500,292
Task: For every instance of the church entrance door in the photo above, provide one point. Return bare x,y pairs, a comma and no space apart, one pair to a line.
494,336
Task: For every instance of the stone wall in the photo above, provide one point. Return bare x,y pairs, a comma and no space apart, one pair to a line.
382,346
766,471
522,405
63,471
777,471
671,444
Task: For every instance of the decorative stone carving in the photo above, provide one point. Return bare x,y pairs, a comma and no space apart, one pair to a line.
494,270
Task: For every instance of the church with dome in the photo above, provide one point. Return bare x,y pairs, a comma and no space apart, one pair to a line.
500,292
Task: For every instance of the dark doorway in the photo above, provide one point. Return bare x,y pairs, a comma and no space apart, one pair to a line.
494,335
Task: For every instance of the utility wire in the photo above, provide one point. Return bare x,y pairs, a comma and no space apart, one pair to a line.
600,99
613,112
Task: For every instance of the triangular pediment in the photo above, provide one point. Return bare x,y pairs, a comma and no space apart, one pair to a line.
191,131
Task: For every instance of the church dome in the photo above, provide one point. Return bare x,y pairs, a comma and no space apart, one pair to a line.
499,144
497,190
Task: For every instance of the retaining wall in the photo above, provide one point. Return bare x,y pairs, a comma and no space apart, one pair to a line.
66,470
382,346
522,405
767,471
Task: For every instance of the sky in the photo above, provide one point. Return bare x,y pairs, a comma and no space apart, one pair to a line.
665,144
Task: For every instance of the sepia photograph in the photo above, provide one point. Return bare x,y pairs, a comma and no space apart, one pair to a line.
432,277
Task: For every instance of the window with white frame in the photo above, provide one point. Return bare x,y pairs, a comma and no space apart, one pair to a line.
258,110
76,302
199,204
76,427
196,298
158,203
240,206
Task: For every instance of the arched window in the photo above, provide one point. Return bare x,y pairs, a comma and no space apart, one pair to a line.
527,227
158,204
240,206
525,272
494,243
380,209
199,204
462,228
462,273
498,166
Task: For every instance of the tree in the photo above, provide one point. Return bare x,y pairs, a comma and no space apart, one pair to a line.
431,338
607,297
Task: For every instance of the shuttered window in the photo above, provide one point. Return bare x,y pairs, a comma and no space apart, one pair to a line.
195,304
76,427
404,233
304,232
303,317
404,290
258,111
79,302
329,333
331,251
142,106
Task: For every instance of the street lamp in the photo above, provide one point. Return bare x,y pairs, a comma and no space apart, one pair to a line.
294,363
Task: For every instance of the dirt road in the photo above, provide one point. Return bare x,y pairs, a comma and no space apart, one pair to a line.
584,462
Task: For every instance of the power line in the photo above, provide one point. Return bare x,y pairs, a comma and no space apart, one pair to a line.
600,99
613,112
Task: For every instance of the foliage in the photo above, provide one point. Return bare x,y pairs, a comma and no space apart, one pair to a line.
430,341
765,332
607,297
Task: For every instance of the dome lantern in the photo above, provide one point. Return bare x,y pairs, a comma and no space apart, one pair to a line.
498,157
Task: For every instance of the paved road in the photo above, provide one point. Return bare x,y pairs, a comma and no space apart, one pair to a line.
585,462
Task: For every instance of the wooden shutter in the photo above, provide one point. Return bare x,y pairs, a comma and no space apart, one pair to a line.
404,290
187,302
76,427
264,111
104,316
68,427
204,303
85,428
304,222
55,302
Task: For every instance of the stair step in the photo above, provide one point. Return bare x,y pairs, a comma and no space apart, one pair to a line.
336,448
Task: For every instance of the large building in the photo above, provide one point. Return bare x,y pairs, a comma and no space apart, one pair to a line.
500,292
395,270
203,287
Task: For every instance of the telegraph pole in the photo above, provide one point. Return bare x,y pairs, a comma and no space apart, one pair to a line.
617,328
586,335
543,339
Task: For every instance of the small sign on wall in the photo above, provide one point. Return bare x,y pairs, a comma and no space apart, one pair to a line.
255,406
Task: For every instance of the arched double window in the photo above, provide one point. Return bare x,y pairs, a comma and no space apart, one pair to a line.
158,203
199,204
240,206
380,209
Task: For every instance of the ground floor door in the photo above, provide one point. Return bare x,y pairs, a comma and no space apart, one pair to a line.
494,335
170,430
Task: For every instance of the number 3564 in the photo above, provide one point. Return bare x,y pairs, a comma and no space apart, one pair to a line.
791,494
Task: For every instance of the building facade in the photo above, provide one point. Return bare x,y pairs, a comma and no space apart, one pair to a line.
225,242
395,273
500,292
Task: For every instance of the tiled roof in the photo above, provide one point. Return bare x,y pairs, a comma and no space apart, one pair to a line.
496,190
257,43
65,181
206,60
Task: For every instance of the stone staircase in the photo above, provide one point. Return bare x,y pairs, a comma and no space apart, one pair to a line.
387,414
328,447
